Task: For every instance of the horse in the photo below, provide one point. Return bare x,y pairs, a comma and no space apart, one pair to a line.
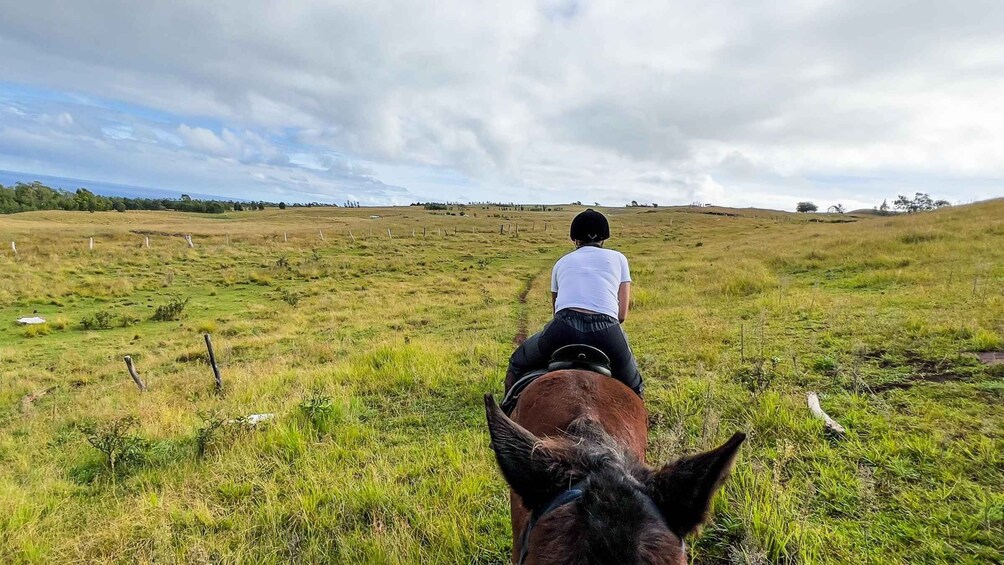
580,493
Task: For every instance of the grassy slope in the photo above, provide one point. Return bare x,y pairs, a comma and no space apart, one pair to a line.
404,336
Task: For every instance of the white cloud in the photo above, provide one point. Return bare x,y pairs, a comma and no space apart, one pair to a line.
738,102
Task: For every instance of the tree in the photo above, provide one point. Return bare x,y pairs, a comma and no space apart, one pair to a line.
282,205
921,201
119,207
806,207
942,203
884,208
634,203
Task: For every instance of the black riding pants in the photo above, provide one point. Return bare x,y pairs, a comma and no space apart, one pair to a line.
570,327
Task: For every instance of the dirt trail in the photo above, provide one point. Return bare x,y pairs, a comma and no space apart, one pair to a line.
521,318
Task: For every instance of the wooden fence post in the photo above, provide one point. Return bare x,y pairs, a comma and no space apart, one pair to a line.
352,236
284,238
13,247
320,233
146,241
501,228
389,236
212,363
90,244
188,238
228,239
132,373
423,232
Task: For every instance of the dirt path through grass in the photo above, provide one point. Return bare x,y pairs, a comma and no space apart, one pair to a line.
521,318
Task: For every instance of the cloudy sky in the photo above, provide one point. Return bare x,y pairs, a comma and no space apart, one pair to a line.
385,101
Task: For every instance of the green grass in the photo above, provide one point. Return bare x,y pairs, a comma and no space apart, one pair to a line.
373,356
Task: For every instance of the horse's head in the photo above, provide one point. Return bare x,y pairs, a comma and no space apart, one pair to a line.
591,501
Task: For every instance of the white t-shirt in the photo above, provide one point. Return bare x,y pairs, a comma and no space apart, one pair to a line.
589,278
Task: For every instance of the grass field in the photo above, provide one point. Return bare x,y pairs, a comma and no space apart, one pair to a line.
373,355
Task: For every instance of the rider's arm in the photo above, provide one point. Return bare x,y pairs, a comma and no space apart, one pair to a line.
623,300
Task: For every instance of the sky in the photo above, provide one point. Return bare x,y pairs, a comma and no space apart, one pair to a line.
733,103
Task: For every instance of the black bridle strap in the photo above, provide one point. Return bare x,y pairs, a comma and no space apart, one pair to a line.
571,495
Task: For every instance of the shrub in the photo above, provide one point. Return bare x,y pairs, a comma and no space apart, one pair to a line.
825,365
116,441
319,410
36,330
170,311
126,320
756,376
101,320
289,297
206,327
210,434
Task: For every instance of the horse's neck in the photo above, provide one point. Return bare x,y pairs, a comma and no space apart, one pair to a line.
549,406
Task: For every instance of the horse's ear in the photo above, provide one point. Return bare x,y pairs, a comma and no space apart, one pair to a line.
530,468
683,489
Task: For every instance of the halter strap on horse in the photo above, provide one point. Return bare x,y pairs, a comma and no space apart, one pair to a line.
573,493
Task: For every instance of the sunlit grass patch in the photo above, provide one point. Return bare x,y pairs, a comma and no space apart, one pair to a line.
375,367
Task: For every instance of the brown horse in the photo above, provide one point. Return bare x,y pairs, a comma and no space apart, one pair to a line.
581,494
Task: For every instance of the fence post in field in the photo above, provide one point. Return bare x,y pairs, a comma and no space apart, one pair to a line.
352,236
212,363
146,241
423,232
501,228
517,228
135,376
90,244
321,234
284,238
188,239
412,232
13,247
228,239
389,236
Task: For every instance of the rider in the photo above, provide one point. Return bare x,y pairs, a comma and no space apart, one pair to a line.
590,293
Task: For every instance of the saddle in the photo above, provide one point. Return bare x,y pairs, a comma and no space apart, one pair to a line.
576,356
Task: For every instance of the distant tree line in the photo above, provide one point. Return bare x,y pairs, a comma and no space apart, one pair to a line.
920,202
28,197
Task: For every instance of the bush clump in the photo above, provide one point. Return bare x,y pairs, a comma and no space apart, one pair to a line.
171,311
101,320
116,441
319,410
289,297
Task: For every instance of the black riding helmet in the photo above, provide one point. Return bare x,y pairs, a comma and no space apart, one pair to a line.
590,227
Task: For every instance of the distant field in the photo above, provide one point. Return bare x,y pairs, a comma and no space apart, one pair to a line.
373,355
